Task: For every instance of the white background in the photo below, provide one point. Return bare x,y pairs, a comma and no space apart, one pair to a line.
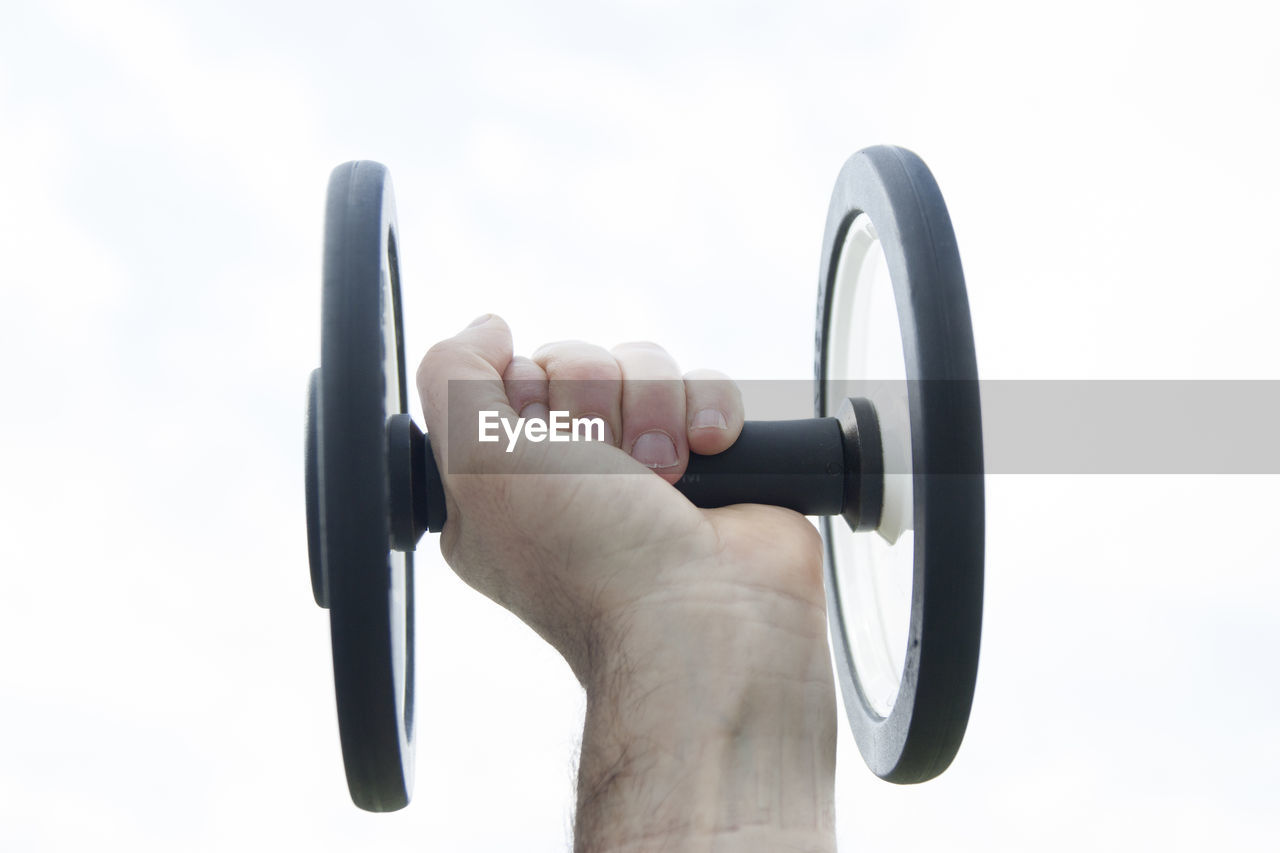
608,171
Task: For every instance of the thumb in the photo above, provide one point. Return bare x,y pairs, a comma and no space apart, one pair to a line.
460,377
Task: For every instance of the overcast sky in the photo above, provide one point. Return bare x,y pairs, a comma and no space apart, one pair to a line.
607,171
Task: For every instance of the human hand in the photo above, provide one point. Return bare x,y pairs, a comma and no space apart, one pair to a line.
699,635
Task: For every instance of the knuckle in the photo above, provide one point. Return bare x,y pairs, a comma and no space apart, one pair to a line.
557,350
641,346
705,375
585,367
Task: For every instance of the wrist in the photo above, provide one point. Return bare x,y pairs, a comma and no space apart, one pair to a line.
707,730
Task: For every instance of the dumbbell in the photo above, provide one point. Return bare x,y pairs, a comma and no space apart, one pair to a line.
891,464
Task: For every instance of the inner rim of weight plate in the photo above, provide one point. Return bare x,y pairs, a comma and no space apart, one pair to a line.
873,571
400,586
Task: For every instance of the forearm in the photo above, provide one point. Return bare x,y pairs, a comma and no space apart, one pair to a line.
721,738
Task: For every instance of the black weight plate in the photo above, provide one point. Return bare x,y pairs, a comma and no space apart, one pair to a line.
369,585
920,734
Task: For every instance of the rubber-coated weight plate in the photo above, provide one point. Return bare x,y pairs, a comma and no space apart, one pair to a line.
905,602
369,585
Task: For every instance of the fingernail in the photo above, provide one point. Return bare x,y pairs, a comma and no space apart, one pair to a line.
479,321
709,419
534,410
655,450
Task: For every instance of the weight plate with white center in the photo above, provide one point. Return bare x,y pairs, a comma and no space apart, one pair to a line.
904,598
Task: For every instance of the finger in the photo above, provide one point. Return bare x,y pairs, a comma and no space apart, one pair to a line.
714,405
585,381
526,385
653,397
457,379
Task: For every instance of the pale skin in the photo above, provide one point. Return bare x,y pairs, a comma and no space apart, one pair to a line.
698,635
